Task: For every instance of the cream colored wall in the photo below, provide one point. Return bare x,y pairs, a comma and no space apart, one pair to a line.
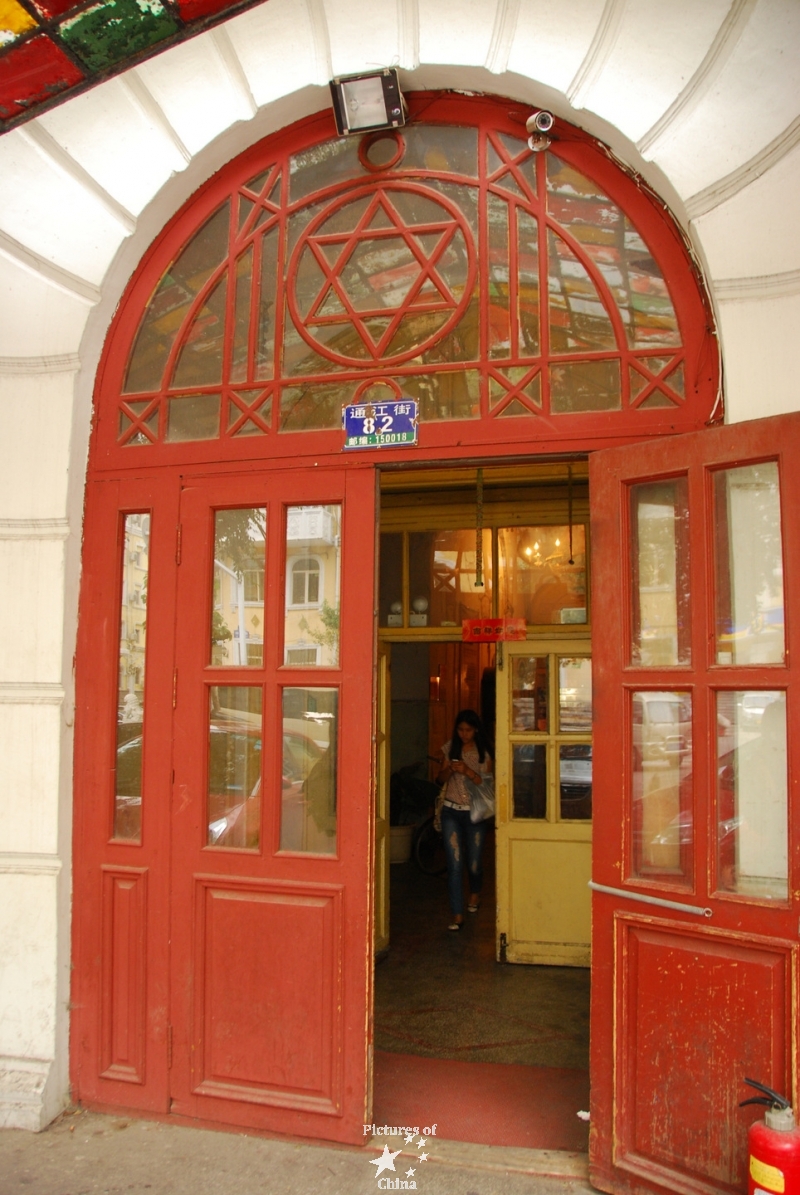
701,99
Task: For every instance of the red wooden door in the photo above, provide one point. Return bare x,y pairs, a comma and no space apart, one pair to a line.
271,822
120,990
696,568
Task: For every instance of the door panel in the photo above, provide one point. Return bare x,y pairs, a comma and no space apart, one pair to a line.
695,909
544,796
272,803
119,988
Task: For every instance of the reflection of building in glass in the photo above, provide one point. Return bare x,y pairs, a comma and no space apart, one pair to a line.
311,631
237,621
133,624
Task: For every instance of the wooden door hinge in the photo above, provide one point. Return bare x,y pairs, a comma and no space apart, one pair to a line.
179,538
169,1047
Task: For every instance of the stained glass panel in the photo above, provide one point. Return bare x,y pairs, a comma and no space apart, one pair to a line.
170,304
384,278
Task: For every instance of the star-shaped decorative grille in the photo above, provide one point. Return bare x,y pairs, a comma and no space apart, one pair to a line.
385,279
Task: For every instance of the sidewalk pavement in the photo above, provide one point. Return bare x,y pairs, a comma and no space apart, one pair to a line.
85,1153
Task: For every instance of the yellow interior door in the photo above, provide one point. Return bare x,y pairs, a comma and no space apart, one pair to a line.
544,782
382,770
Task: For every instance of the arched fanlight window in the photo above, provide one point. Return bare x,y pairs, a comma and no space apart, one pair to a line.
445,262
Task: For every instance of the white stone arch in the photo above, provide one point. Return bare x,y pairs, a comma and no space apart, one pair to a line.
700,99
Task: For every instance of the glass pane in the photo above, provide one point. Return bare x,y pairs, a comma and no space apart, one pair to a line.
615,247
440,148
499,315
313,564
234,766
448,394
249,413
584,386
237,616
195,417
200,359
529,690
308,803
151,422
539,581
579,321
130,706
268,299
170,304
752,807
529,780
314,407
663,833
443,585
323,166
528,294
575,694
386,286
660,601
749,565
391,580
241,329
575,781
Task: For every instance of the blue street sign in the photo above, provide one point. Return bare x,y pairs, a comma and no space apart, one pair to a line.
380,424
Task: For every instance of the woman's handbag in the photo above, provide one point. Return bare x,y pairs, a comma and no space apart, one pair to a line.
481,799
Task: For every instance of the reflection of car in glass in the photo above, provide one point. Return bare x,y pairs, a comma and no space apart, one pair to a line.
575,771
662,725
681,830
237,824
234,780
575,780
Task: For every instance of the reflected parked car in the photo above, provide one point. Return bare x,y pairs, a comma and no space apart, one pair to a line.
234,781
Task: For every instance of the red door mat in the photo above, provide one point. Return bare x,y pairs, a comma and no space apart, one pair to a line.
490,1103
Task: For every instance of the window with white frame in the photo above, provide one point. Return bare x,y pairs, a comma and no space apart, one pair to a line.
305,583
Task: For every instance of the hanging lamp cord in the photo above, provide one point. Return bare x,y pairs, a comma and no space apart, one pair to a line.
569,501
479,530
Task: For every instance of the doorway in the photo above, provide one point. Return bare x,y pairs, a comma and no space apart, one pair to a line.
452,1012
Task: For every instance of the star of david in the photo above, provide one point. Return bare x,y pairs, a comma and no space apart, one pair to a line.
409,287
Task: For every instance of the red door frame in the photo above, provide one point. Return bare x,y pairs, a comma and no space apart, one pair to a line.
665,1073
124,477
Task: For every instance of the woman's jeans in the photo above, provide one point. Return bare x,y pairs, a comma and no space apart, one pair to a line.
463,840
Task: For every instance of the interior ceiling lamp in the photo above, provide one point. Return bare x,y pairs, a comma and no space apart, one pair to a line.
365,102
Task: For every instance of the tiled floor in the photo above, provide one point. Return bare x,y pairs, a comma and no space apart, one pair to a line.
442,995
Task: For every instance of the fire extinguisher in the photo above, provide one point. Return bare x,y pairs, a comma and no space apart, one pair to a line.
773,1146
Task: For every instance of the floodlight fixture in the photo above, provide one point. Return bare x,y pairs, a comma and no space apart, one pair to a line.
362,103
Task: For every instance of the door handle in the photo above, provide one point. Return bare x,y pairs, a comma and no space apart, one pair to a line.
651,900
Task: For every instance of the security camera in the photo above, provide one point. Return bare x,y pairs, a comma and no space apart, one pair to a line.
540,122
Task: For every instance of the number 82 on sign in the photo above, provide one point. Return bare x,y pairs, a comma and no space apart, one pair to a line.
380,424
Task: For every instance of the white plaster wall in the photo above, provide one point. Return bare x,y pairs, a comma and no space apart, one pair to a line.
701,99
